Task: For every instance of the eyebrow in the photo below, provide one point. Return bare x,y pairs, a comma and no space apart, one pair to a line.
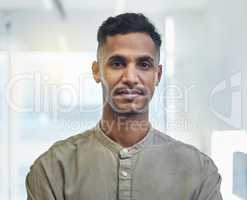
140,58
145,58
116,57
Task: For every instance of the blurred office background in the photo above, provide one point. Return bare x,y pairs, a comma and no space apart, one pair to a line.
47,92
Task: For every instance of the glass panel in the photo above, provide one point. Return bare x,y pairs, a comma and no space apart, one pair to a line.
240,175
229,151
3,127
51,99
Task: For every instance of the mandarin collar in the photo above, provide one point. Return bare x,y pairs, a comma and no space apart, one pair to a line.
117,148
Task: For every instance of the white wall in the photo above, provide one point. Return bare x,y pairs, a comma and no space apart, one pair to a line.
227,59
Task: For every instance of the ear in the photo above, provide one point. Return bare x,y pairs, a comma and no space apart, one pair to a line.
159,74
96,71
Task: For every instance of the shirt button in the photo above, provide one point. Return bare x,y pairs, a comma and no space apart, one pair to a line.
124,173
124,153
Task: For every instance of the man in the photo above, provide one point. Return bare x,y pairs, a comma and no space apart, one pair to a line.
124,157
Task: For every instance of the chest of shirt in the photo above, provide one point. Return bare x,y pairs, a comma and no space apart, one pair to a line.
146,175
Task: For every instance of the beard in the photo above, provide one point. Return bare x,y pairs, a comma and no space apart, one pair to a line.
127,105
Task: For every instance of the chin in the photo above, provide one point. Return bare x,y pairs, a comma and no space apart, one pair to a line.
123,106
130,108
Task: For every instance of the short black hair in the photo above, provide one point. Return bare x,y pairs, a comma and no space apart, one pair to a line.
128,23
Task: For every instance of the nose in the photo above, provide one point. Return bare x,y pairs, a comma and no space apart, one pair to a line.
130,76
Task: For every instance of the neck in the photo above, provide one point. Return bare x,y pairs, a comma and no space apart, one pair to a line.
125,129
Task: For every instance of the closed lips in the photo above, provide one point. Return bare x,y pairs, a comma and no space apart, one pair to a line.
129,91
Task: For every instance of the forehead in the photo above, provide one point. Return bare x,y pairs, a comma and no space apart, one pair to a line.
130,44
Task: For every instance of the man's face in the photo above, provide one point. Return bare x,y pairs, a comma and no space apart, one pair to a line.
128,68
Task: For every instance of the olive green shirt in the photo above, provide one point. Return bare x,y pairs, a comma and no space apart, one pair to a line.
91,166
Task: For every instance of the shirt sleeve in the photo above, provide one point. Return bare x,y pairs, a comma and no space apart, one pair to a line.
45,180
209,189
38,185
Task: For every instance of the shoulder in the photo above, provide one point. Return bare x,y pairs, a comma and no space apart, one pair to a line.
47,173
186,155
64,150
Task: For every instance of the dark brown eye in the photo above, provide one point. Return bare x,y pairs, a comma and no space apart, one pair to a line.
145,65
116,64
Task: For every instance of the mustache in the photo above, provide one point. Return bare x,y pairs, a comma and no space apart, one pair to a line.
126,90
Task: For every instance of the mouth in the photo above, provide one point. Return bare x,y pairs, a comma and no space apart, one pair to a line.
129,93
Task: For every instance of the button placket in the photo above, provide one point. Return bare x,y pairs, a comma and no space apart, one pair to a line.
124,187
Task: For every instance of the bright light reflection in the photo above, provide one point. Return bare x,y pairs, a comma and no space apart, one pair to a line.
48,4
170,45
120,7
